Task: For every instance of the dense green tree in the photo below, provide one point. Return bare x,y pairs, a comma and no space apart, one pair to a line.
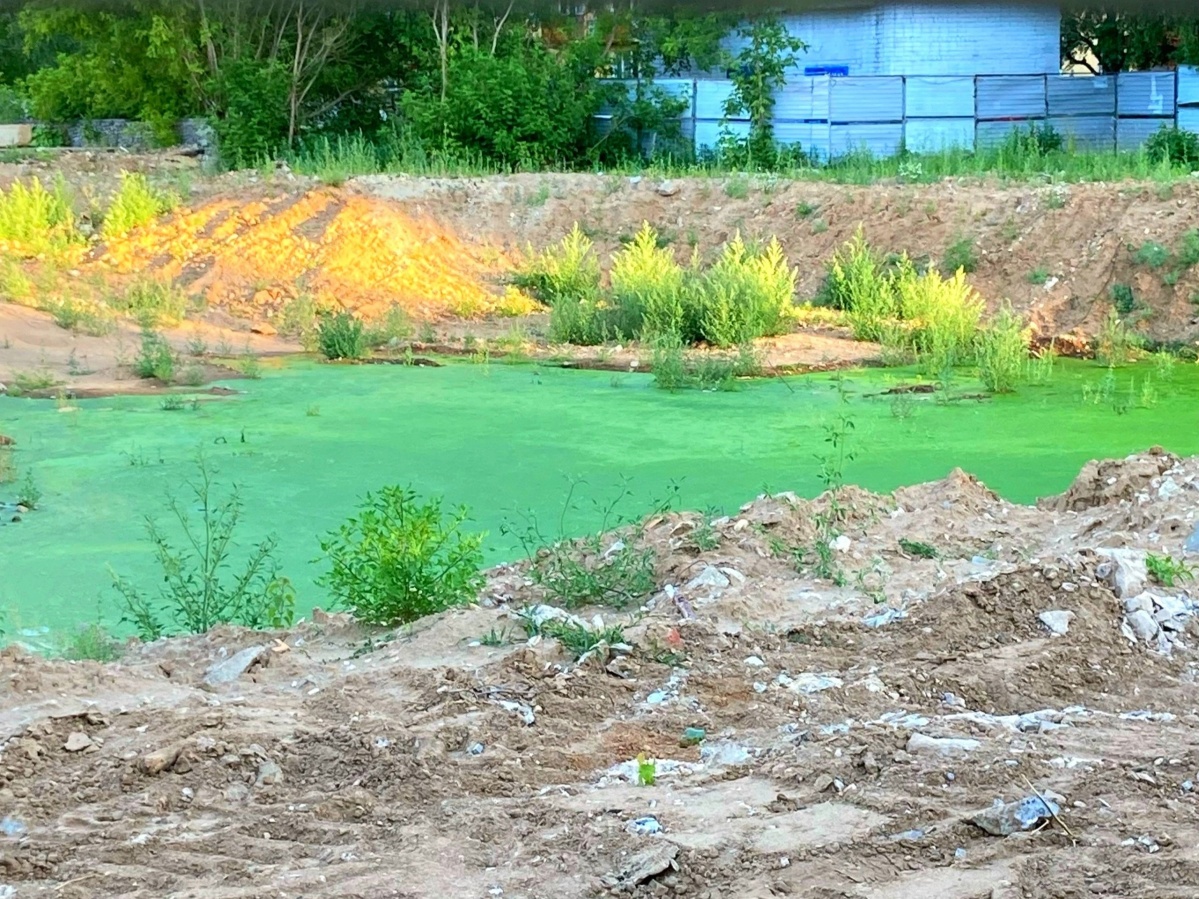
1106,40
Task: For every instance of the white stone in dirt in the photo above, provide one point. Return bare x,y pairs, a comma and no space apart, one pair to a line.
921,743
1192,544
841,543
754,662
1057,621
269,774
1142,624
710,578
809,682
1124,570
1142,601
235,666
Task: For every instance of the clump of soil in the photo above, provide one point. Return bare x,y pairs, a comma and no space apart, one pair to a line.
808,739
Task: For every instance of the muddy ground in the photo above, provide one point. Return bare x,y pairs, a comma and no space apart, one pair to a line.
850,731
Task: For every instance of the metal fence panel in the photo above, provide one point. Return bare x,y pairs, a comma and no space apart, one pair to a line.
803,99
1082,95
707,133
812,137
937,135
992,134
1132,133
1145,93
1010,97
710,97
880,140
1086,132
1188,118
930,97
1188,86
866,99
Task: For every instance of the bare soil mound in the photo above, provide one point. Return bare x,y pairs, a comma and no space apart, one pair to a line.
852,734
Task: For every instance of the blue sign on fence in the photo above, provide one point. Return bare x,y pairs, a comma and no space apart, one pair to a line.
834,71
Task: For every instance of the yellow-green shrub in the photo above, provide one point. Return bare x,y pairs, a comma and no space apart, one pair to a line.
942,314
135,203
569,270
743,295
1002,351
36,220
647,288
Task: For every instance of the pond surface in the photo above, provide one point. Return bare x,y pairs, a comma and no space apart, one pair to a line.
306,441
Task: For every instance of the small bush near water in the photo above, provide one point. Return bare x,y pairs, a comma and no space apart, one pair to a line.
135,203
1002,351
37,220
399,559
747,293
341,336
195,593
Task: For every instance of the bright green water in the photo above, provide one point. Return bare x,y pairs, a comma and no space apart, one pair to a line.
502,438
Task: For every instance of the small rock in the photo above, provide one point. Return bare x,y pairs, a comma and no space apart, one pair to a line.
264,329
645,826
1191,546
667,189
269,774
78,741
710,578
1057,621
160,760
840,543
823,783
754,662
1125,570
237,792
943,745
1003,820
235,666
1142,624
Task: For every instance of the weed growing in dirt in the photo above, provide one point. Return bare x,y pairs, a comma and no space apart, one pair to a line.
496,638
1038,276
91,643
81,318
600,568
341,336
1167,571
151,302
646,770
1040,367
918,549
29,381
393,328
1164,364
705,537
194,594
28,494
135,203
192,376
155,359
805,210
1002,351
737,188
1123,298
578,639
400,559
960,255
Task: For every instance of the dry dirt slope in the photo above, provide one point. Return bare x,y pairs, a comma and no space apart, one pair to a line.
423,764
1082,237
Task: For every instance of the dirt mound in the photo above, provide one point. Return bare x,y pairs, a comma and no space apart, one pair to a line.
345,250
1111,481
811,736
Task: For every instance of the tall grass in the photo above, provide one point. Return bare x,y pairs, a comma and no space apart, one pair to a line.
1002,351
745,294
647,288
569,270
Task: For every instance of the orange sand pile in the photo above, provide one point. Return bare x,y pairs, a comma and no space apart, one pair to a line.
358,253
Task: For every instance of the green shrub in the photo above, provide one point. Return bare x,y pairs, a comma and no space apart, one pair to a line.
134,204
1002,352
744,295
194,594
91,643
82,318
569,271
155,359
399,559
647,289
580,321
1115,345
1123,298
853,274
341,336
1174,146
1152,254
394,327
960,256
1168,571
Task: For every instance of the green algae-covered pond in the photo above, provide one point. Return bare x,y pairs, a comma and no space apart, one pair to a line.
307,440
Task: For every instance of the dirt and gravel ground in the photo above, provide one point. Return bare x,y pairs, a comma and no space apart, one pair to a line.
850,731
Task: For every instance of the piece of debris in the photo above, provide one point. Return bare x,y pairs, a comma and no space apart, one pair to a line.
12,827
1005,819
235,666
269,774
943,745
646,826
160,760
1057,621
644,865
693,736
808,682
